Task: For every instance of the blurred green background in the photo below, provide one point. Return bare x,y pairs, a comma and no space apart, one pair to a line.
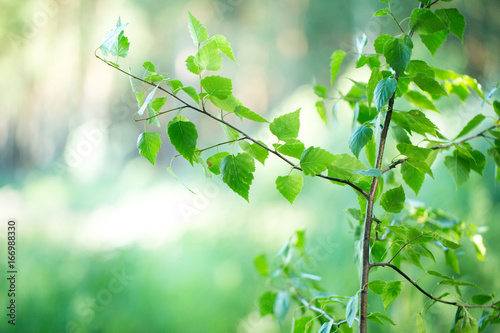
109,243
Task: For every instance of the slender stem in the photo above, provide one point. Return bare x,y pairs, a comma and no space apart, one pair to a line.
222,121
365,251
221,144
402,247
386,264
160,113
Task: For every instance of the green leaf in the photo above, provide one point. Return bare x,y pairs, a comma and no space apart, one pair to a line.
494,153
434,41
237,173
420,324
336,58
191,92
266,303
326,327
149,66
371,152
393,201
213,162
479,161
375,78
454,21
209,57
292,147
320,108
231,133
419,66
496,107
412,177
224,46
415,121
175,85
281,306
290,186
352,309
147,101
446,242
183,136
377,316
420,100
482,299
261,265
369,172
217,86
413,152
467,324
424,22
383,92
192,66
451,261
302,325
478,119
391,291
158,103
359,138
228,104
320,91
459,167
197,30
257,151
381,12
397,52
380,41
149,144
244,112
286,126
152,114
377,286
429,84
315,160
111,40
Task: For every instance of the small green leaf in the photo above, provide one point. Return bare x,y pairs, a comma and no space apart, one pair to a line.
213,162
359,138
266,303
412,177
320,108
393,201
479,162
424,22
477,240
336,58
375,78
446,242
419,66
290,186
434,41
209,57
369,172
261,265
149,66
381,12
223,46
286,126
191,92
377,286
257,151
315,160
111,40
183,136
494,153
459,167
197,30
391,291
231,133
380,41
292,147
397,52
378,317
413,152
482,299
320,91
352,309
244,112
383,92
429,84
147,101
175,85
496,107
478,119
217,86
326,327
451,261
420,100
281,306
454,21
149,144
371,152
237,173
192,66
415,121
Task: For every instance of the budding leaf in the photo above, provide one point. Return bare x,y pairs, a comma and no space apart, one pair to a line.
149,144
197,30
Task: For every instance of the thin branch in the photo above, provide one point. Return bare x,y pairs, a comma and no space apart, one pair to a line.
443,146
221,144
433,3
492,306
402,247
187,105
160,113
318,310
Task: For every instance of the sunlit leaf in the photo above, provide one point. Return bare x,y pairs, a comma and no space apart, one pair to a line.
336,58
197,30
359,138
287,126
183,136
397,52
383,92
315,160
237,173
217,86
149,144
290,186
454,21
391,291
